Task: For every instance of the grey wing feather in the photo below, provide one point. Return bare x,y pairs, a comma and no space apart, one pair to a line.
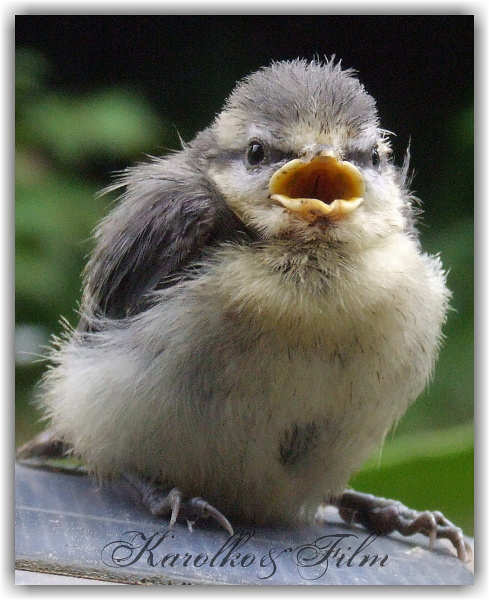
167,217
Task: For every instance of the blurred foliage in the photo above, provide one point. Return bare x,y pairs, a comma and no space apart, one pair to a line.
74,130
63,147
66,145
60,142
431,470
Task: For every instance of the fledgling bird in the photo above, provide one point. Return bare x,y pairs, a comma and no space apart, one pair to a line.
257,313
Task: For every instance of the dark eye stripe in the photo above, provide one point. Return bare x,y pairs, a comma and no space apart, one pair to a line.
274,155
277,155
364,158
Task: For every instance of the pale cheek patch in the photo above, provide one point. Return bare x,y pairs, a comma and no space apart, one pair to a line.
389,202
253,207
245,196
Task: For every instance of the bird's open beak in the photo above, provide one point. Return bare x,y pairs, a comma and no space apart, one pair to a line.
322,187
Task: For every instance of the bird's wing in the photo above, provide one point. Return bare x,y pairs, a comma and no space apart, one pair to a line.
161,225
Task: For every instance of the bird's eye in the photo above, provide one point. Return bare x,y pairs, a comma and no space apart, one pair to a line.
255,153
375,157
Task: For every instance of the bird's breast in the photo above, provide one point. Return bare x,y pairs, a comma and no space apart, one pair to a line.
288,384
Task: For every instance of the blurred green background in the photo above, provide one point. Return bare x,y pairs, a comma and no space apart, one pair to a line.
94,94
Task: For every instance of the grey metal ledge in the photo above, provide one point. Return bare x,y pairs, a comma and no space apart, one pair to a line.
67,526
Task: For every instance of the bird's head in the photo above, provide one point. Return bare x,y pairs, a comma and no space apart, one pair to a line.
297,153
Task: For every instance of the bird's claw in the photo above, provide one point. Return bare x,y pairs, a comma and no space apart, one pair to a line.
204,510
161,503
197,508
385,516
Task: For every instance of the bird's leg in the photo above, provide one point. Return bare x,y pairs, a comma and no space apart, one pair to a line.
383,516
47,445
163,503
43,445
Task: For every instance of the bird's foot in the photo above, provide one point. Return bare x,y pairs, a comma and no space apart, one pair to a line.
383,516
43,445
163,503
